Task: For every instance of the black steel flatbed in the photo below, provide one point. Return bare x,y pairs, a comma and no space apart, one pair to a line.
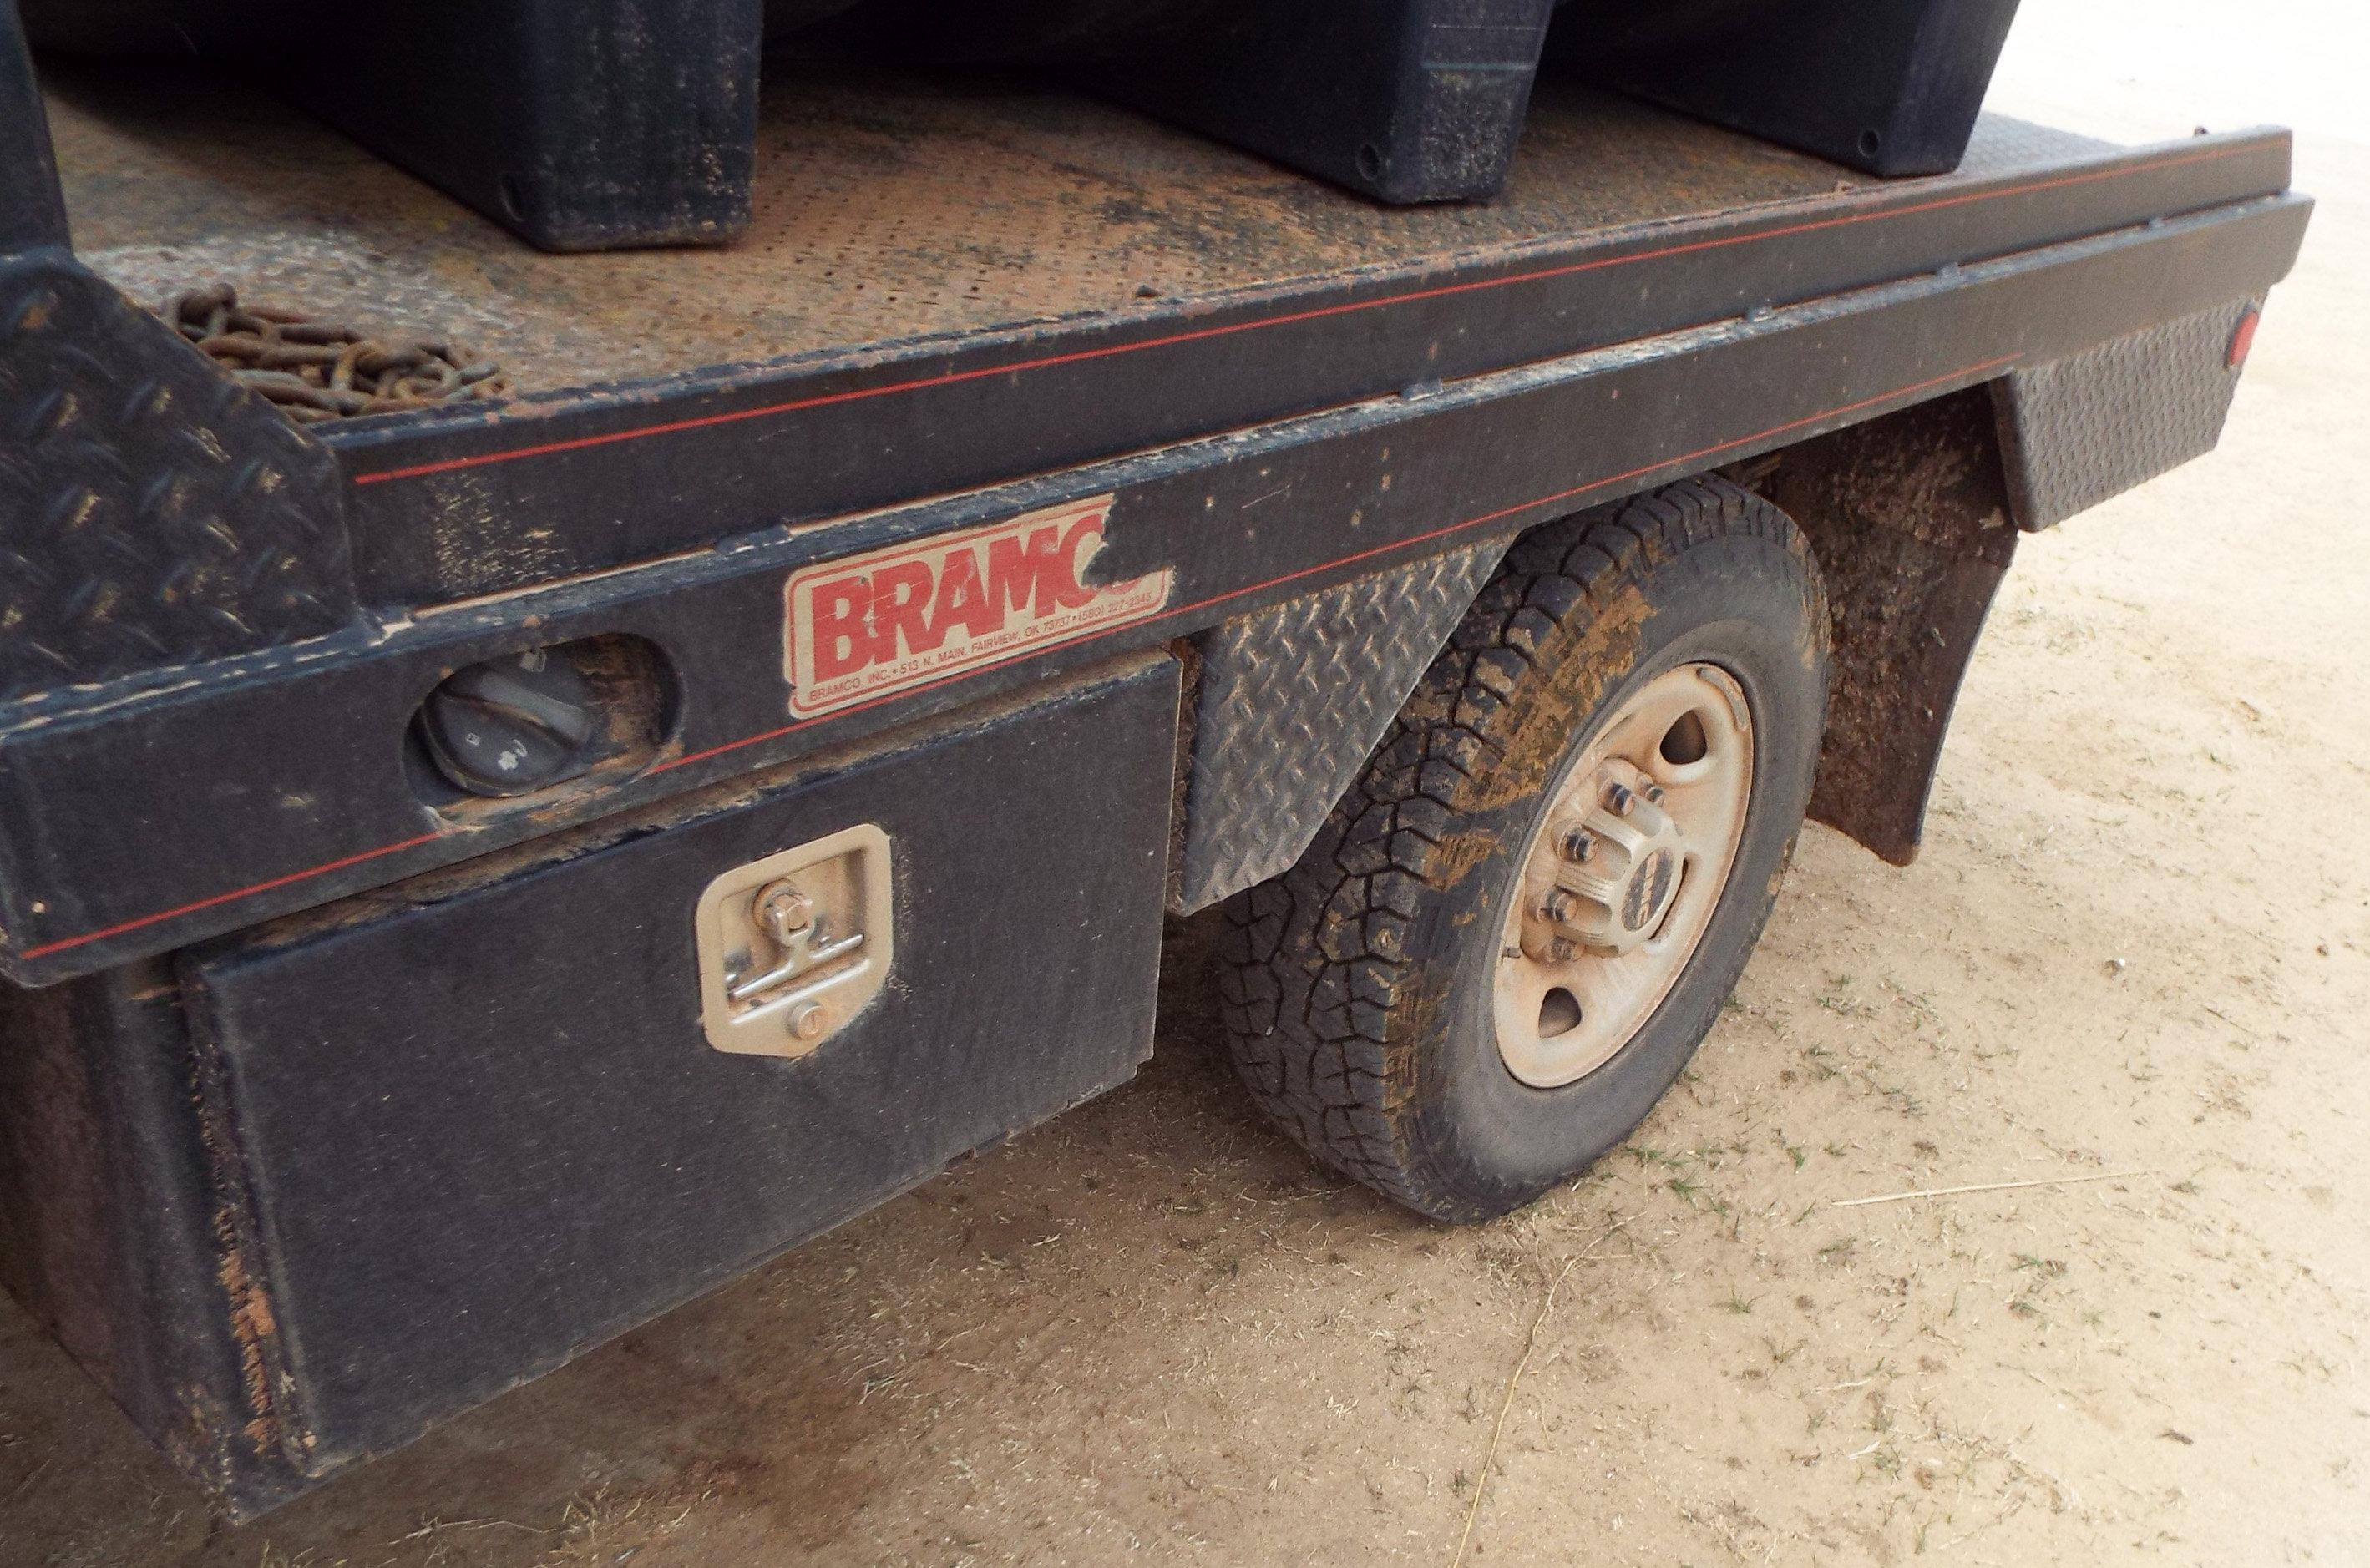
1037,286
1272,421
1033,526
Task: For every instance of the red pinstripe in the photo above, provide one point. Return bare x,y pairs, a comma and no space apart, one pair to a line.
1048,361
1576,491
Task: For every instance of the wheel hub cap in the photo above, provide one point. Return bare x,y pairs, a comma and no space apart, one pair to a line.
1619,862
1620,882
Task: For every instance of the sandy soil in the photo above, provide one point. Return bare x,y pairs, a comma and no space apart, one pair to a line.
2137,948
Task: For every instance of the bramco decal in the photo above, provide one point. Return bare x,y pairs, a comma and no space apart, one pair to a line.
913,614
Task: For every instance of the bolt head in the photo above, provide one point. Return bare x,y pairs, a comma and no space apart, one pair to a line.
1621,799
1578,843
1559,907
808,1020
1655,793
784,913
1561,950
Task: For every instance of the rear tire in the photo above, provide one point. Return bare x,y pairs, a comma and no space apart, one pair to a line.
1363,991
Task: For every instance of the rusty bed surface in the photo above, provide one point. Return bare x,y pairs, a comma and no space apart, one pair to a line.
888,207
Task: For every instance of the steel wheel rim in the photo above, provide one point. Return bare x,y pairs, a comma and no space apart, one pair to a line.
1621,876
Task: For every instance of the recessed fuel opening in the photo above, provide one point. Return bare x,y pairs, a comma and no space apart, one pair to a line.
522,724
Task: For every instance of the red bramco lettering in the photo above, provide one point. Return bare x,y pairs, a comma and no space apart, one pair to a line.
911,614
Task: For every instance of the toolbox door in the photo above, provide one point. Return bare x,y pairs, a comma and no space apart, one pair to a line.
469,1136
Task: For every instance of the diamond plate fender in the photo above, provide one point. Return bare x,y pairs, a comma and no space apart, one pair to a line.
2078,430
1291,700
151,512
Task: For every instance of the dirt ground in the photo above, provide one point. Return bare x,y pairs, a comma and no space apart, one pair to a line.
2136,950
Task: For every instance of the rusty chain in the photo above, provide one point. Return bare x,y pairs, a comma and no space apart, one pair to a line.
321,369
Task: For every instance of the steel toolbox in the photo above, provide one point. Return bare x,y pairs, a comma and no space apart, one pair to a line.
418,1190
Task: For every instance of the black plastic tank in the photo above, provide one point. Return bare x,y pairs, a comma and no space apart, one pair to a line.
594,124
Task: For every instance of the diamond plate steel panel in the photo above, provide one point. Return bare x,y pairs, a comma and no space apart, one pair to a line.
151,512
2092,425
1292,701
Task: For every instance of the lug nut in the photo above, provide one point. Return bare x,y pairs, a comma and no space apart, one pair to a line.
810,1020
1655,793
1578,843
1621,799
1559,907
1561,950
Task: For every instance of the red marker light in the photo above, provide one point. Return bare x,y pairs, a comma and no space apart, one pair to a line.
2242,339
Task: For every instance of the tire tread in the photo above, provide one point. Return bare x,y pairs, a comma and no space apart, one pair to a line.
1317,962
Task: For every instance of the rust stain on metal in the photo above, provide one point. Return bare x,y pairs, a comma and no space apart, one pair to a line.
252,1326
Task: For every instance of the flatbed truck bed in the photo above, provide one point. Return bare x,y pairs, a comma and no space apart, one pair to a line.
1062,503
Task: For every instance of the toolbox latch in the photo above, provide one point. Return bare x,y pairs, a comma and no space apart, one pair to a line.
793,946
